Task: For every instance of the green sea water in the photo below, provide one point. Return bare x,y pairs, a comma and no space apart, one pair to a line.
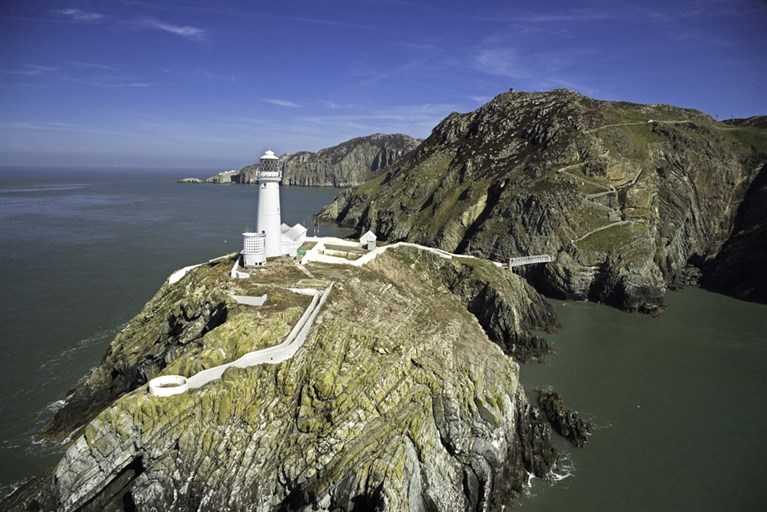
678,403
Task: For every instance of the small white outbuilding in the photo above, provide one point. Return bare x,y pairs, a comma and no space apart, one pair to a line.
254,249
368,240
292,238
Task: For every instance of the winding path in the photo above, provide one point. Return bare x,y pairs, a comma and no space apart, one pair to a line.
315,253
635,123
609,189
168,385
602,228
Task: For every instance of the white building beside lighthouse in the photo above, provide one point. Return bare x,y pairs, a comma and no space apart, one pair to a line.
271,238
253,249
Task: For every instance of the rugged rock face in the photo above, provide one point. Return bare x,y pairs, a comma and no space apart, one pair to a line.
756,121
345,165
566,422
739,269
625,196
398,400
172,323
224,177
493,300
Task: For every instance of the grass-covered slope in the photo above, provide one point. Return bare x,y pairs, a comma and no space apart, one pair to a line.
624,195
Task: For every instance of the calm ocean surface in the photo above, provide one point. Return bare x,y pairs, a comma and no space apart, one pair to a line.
678,400
678,404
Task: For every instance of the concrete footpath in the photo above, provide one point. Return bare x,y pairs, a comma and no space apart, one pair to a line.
168,385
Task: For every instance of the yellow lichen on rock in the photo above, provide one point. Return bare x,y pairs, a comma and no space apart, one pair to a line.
396,399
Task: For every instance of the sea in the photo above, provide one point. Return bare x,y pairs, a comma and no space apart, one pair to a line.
677,402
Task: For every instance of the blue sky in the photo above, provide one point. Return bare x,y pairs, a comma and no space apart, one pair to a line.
207,84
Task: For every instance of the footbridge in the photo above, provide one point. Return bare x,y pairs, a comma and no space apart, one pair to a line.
530,260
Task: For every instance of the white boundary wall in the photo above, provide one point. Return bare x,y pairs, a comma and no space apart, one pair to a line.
314,253
271,355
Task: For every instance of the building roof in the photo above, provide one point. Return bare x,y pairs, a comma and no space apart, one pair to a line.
293,233
269,155
368,237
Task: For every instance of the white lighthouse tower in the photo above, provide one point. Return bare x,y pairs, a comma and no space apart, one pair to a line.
269,221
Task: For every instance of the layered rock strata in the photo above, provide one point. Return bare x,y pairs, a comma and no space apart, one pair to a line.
345,165
625,196
565,422
397,400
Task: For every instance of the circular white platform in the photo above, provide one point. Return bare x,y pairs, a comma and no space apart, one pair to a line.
168,385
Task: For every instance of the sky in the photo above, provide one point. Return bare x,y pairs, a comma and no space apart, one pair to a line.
211,84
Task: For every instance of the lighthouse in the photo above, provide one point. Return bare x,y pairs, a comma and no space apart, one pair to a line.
271,238
268,220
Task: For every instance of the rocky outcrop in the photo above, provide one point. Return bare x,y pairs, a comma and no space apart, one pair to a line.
172,323
397,400
345,165
565,422
625,196
189,180
492,294
755,121
224,177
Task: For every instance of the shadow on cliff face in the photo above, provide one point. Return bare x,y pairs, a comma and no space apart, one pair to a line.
740,268
506,307
116,496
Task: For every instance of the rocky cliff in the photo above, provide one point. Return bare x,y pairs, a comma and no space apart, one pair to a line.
398,400
739,269
345,165
625,196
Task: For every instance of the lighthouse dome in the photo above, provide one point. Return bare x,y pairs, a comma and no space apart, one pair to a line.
269,155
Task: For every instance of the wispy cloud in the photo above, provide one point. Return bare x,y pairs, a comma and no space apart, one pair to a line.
416,120
333,105
416,61
282,103
333,23
189,7
538,70
480,99
81,73
573,16
185,31
214,76
30,70
501,61
92,65
110,84
78,15
314,132
57,127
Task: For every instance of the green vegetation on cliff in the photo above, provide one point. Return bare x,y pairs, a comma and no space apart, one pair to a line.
625,196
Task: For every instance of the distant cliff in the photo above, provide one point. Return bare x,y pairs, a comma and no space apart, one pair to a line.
399,400
345,165
629,198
